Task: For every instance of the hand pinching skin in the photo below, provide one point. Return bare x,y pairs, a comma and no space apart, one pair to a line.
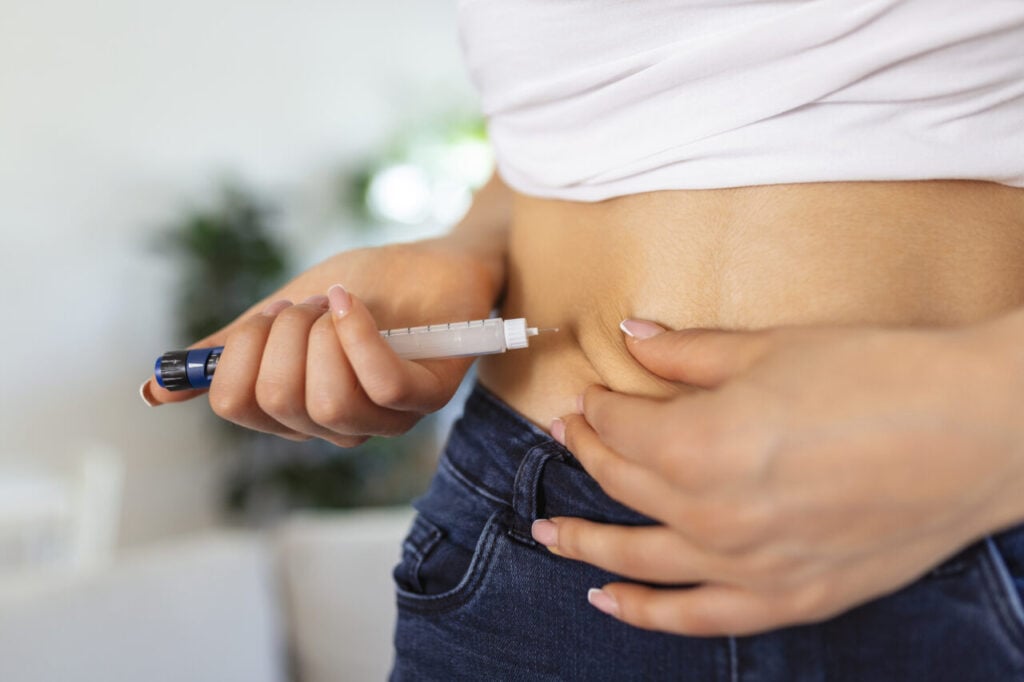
814,470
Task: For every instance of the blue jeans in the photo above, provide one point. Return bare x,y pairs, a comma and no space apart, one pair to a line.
478,599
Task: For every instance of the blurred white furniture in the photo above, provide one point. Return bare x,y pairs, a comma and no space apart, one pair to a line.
336,571
62,519
219,607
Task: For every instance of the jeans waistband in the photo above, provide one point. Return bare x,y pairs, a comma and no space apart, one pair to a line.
499,454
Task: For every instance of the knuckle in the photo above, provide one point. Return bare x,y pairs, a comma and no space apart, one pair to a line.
388,393
293,314
329,411
253,327
569,538
344,415
274,399
230,406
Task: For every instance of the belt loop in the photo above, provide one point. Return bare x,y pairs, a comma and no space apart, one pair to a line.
526,490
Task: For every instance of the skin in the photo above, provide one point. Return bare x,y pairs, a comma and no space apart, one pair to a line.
301,364
890,450
777,536
903,276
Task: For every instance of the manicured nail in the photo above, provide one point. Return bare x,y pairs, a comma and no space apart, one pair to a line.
558,430
602,601
317,300
145,394
545,532
640,329
339,299
276,307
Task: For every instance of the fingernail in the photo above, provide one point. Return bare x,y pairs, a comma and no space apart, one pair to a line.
339,299
558,430
276,307
318,300
640,329
545,532
145,394
602,601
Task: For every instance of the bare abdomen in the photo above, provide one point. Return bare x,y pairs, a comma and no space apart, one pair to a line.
918,253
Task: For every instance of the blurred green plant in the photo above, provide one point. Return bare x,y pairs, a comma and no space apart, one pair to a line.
229,258
317,475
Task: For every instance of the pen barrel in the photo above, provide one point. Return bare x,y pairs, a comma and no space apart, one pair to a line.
194,368
454,340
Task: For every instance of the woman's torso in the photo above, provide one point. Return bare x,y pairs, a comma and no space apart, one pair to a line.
895,253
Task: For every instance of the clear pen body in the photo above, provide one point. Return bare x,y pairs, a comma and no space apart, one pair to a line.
452,340
194,368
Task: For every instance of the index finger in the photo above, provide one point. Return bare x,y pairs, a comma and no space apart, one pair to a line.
153,394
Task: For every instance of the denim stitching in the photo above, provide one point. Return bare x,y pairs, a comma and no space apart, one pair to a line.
477,570
526,491
461,478
422,538
524,494
430,542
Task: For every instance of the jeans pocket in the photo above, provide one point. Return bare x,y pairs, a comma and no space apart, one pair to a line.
419,544
437,574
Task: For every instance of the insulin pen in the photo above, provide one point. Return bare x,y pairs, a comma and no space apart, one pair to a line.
180,370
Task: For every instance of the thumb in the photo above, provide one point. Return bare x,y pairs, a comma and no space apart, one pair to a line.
699,357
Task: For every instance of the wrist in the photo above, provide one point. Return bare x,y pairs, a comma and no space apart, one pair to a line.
482,234
478,256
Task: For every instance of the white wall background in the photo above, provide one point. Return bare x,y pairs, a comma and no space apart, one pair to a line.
115,114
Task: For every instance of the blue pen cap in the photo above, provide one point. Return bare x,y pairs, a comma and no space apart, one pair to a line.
180,370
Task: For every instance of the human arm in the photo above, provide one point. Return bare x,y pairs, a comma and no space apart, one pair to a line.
808,470
289,369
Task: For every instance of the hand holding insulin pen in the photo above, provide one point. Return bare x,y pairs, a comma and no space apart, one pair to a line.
180,370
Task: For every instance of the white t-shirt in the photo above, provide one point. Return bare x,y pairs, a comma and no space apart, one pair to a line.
591,99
